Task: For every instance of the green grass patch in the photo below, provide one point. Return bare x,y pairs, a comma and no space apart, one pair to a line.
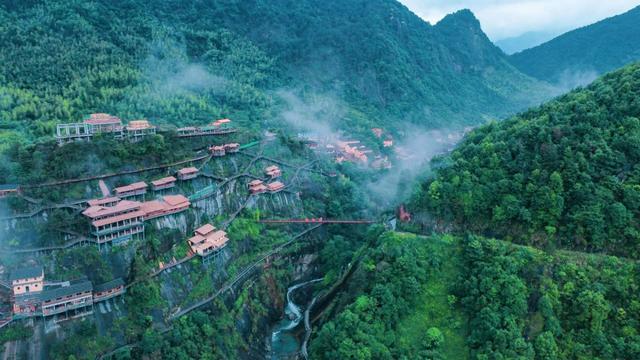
436,306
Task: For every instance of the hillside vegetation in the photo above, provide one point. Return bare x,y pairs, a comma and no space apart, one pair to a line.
445,297
565,174
180,62
577,57
526,304
399,304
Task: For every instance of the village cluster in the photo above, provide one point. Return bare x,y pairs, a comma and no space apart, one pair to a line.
135,130
353,150
119,216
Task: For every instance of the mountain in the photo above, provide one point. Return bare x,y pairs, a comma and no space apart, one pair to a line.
524,41
444,297
563,175
176,61
579,56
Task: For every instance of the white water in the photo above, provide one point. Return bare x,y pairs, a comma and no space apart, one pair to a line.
283,344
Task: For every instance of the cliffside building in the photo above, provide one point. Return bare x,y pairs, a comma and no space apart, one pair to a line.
115,225
208,242
188,173
137,129
135,189
73,300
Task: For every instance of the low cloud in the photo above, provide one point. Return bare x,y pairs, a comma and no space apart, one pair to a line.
169,72
570,79
314,115
414,152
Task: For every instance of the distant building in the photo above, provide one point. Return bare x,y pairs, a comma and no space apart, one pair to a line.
218,127
232,147
275,186
257,187
137,129
221,123
117,224
101,123
218,150
108,290
188,173
167,205
106,201
138,188
272,171
349,152
164,183
27,280
76,299
27,284
208,241
8,189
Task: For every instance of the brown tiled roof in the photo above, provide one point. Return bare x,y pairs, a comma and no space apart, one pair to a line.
98,211
174,200
188,170
164,181
113,219
102,201
131,187
205,229
276,185
139,125
102,119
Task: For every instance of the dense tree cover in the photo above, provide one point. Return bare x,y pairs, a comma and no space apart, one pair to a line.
565,174
579,55
525,304
64,59
389,282
179,62
84,344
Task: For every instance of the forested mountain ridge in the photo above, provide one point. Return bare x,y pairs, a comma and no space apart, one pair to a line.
63,59
565,174
444,297
577,57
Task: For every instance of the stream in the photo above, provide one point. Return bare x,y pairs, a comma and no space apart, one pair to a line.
284,344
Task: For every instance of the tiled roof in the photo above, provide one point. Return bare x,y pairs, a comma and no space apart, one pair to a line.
109,285
274,186
164,181
113,219
98,211
188,170
79,287
131,187
27,272
139,125
174,200
102,201
205,229
102,119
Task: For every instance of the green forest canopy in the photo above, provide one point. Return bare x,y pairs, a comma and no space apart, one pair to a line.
565,174
177,62
578,56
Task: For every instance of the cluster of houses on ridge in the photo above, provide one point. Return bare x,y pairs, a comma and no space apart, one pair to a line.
135,130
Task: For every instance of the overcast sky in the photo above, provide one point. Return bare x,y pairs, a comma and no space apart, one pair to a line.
508,18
